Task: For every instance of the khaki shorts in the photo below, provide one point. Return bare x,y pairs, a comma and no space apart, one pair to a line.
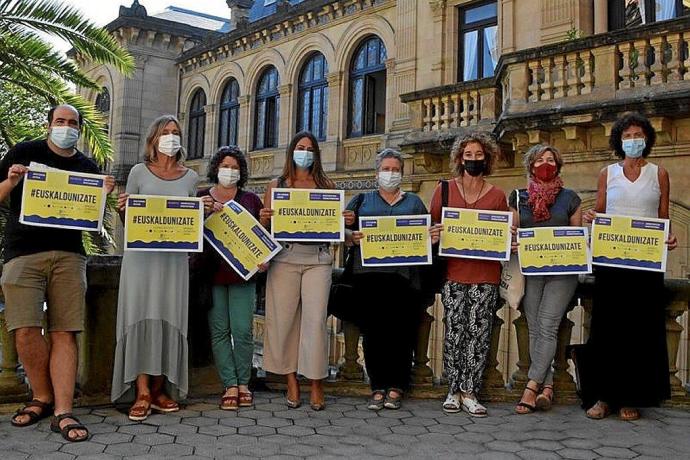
55,277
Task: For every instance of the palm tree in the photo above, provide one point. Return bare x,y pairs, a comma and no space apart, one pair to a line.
28,61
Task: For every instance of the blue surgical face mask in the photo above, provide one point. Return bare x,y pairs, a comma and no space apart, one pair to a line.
303,158
633,148
64,137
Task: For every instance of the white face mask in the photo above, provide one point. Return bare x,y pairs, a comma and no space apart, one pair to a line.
64,137
303,158
228,176
389,180
169,144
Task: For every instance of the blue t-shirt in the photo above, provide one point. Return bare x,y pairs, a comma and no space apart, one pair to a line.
373,204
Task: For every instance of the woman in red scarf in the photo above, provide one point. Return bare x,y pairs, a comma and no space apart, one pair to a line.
545,203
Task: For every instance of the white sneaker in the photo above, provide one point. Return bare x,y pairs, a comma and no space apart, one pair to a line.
472,407
452,404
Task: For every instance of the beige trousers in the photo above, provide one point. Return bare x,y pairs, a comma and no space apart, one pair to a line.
297,288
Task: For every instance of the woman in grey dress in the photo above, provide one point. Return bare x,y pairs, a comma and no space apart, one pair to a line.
150,365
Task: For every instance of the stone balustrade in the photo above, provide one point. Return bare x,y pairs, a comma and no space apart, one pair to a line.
98,341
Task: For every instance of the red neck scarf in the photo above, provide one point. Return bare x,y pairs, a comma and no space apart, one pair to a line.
541,196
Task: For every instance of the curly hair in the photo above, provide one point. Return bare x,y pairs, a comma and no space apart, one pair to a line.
219,156
488,144
626,121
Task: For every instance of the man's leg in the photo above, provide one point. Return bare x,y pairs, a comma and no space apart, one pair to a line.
33,352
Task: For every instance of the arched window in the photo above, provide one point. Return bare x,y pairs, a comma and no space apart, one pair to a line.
368,89
229,114
197,125
312,112
102,104
267,110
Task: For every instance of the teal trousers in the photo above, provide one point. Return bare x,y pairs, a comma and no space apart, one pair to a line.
230,323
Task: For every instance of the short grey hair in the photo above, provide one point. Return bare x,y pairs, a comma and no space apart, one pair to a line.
389,153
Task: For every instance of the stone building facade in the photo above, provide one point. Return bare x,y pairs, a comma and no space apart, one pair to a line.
411,74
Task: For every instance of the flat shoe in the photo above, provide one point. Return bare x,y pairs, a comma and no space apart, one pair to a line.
601,411
141,408
452,404
161,403
246,399
393,402
472,407
34,417
374,403
292,404
634,414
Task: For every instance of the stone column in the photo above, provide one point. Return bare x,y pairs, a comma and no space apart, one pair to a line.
673,332
421,372
563,381
211,130
492,378
601,16
522,335
285,124
350,369
244,139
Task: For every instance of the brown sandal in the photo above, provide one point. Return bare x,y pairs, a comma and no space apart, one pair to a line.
229,402
67,429
162,403
141,408
528,408
629,414
246,399
34,417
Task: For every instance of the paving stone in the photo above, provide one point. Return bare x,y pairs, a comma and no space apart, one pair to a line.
271,407
99,457
54,456
447,429
214,451
119,419
331,430
312,422
320,440
195,439
481,438
657,451
410,430
139,428
273,422
102,428
615,452
398,439
127,448
172,450
371,430
576,443
40,447
578,454
237,421
263,449
199,421
541,444
380,421
437,438
82,448
163,419
344,450
218,430
400,413
386,450
300,450
237,440
146,457
218,413
496,455
279,439
153,439
536,454
361,414
111,438
296,430
455,419
505,446
419,421
177,430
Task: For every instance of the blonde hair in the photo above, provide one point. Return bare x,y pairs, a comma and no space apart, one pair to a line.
536,152
155,132
489,147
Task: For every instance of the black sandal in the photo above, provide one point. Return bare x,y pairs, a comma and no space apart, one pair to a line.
34,417
65,430
530,408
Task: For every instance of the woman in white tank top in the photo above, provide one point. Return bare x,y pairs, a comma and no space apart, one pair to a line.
626,359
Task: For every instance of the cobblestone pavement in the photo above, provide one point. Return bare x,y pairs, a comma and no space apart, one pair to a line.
347,429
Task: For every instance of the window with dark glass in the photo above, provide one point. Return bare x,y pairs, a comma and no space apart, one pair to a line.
478,41
631,13
267,110
103,105
368,89
312,111
197,125
229,114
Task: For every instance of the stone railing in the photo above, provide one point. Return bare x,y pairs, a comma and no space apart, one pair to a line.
453,106
97,345
613,67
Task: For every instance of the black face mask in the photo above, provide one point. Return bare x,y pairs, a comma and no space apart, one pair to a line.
474,167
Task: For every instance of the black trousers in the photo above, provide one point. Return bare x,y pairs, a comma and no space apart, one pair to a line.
388,314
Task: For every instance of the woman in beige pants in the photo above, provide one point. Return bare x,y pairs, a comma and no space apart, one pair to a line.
299,281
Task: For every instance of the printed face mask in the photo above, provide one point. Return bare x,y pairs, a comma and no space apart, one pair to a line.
633,148
303,158
474,167
64,137
389,180
228,176
545,172
169,144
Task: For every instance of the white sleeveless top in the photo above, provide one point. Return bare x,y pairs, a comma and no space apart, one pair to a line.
636,199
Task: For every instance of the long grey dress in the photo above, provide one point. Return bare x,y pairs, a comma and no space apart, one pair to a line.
152,303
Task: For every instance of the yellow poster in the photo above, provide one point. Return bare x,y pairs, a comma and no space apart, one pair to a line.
637,243
554,251
308,215
395,240
240,239
475,234
63,199
164,223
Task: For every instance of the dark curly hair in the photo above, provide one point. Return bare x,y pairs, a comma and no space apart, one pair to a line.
626,121
219,156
